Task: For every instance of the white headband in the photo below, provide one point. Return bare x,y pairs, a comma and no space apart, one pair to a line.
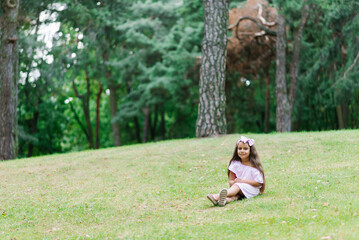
246,140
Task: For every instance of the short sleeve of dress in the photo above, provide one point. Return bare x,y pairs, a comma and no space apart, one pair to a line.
232,167
258,177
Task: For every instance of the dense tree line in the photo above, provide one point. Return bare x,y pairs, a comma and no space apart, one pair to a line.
127,71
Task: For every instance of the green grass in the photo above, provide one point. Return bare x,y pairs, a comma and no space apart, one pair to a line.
158,191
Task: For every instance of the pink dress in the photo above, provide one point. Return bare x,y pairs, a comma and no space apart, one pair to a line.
249,173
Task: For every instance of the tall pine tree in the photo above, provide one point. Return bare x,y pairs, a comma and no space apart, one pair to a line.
9,72
212,105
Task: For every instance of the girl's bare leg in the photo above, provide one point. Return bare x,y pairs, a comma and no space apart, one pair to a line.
230,199
232,193
215,196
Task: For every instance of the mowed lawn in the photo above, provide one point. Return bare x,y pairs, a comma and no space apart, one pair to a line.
158,191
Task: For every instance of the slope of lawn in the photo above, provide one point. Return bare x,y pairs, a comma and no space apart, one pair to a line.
158,191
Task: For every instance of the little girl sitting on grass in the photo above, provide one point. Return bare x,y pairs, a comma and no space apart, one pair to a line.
245,174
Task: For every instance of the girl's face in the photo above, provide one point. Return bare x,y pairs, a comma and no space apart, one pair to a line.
243,151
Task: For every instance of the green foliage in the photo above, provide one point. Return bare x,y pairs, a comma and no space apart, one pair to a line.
246,104
162,49
40,109
150,50
328,52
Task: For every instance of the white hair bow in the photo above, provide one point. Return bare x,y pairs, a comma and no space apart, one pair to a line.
246,140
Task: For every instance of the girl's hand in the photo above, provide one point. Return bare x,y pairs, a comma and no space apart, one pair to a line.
238,180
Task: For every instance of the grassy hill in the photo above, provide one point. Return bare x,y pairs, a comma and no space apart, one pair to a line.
158,191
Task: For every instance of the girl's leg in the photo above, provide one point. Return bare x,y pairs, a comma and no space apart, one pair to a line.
234,193
230,199
215,196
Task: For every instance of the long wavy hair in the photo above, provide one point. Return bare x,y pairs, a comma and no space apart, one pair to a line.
253,158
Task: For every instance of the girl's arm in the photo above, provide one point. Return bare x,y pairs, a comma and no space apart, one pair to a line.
250,182
231,178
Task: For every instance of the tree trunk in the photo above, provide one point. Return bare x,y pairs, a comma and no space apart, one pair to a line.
86,109
9,78
146,125
114,109
340,117
98,98
33,129
283,118
296,54
267,102
77,118
154,125
285,103
342,112
113,87
163,124
138,129
212,99
85,99
345,111
230,107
